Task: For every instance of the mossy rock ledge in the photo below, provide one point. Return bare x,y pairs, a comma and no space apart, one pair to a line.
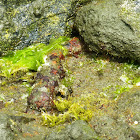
111,27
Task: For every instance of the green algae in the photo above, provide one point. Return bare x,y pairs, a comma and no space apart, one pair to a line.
75,111
75,108
103,113
30,58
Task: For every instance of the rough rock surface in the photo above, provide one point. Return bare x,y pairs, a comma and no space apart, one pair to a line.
79,130
25,22
117,121
129,105
5,130
28,22
49,77
111,27
121,122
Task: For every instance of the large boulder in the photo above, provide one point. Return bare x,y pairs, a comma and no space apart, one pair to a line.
31,22
111,27
25,22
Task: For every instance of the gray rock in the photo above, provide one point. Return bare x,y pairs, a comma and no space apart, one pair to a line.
24,22
27,22
129,105
78,130
120,122
16,127
5,129
137,6
111,27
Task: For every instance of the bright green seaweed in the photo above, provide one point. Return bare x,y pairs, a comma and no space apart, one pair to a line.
31,57
75,108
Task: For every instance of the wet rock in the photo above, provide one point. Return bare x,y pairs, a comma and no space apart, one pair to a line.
20,127
129,105
111,27
49,79
26,22
78,130
109,127
5,128
120,121
47,85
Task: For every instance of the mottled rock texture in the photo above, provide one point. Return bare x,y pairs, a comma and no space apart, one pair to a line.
25,22
111,27
30,22
78,130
